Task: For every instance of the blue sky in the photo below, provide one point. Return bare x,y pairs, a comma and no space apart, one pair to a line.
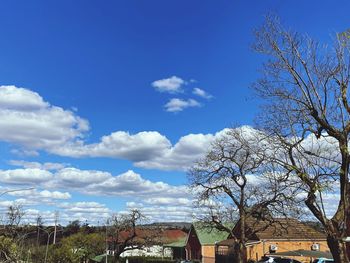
158,79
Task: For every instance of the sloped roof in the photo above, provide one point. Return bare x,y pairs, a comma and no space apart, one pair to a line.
173,235
208,235
280,228
155,235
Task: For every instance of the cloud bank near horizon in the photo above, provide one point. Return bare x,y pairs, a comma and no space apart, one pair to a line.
56,188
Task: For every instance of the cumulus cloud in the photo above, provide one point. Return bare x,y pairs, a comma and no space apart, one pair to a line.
25,152
84,207
44,166
79,178
90,212
176,104
30,122
171,201
40,195
25,176
120,144
132,184
92,182
167,213
170,85
202,93
161,201
19,99
183,154
146,149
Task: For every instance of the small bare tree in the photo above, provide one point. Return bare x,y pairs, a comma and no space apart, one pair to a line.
14,216
126,233
236,175
307,114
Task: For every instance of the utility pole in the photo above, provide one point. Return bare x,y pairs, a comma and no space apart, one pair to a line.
55,230
107,222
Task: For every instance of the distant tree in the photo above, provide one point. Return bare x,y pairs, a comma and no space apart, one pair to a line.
307,115
80,247
73,227
236,178
14,216
39,224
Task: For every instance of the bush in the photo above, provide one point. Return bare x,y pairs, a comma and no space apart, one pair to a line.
143,259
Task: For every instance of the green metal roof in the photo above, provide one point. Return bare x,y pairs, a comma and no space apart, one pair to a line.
208,235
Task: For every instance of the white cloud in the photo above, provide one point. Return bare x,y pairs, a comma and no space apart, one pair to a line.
25,152
33,194
161,201
170,85
55,194
91,212
19,99
133,147
44,166
171,202
183,154
146,149
176,104
202,93
80,178
91,182
25,176
84,207
132,184
30,122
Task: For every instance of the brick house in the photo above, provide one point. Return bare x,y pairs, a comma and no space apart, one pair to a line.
282,235
200,243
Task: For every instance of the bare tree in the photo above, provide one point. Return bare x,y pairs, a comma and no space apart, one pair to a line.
126,233
14,216
235,177
307,114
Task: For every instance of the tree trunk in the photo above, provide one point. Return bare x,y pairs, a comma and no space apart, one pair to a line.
240,253
338,249
116,257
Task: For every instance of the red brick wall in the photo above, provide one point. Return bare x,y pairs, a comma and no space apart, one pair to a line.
193,247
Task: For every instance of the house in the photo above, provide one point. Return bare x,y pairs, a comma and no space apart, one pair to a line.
178,248
148,242
271,238
200,243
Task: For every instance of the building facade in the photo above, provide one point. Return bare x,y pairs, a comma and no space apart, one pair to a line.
272,238
200,244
